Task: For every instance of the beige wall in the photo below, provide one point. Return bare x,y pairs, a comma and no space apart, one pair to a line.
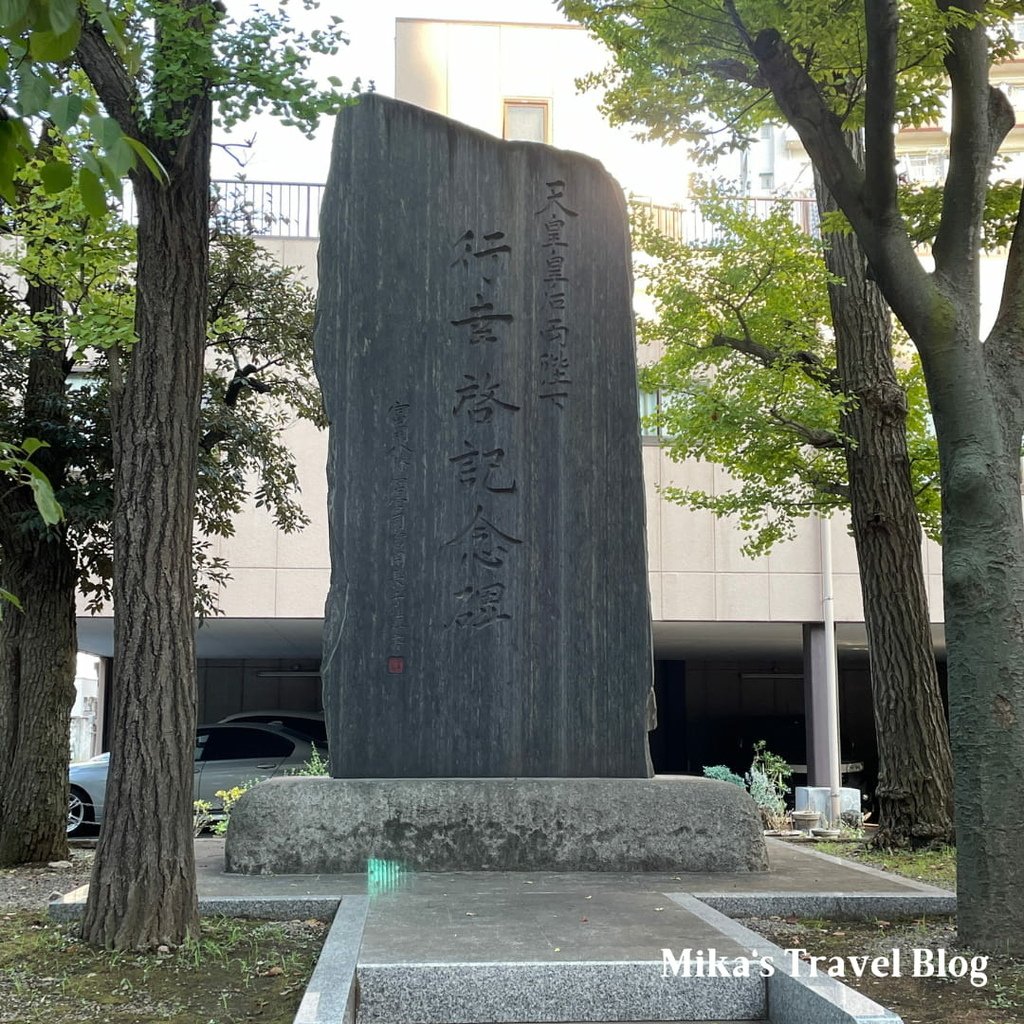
697,571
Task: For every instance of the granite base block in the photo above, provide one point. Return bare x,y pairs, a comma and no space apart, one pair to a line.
308,825
468,993
331,994
861,906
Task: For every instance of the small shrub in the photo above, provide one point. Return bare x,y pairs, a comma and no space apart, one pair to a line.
723,774
201,817
316,765
767,784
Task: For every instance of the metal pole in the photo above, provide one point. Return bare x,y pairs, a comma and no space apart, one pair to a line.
831,672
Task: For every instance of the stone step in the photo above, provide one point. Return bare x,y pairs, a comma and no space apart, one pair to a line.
509,992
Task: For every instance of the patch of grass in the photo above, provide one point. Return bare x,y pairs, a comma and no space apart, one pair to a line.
934,866
233,971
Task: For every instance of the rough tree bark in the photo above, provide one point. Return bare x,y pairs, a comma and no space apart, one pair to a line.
143,892
915,776
37,644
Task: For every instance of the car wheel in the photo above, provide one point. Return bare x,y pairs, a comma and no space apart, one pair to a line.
79,810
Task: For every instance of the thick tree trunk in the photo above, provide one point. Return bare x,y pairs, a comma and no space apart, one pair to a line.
978,426
142,892
915,784
37,692
38,643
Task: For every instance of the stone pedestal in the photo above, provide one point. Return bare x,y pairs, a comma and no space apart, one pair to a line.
308,825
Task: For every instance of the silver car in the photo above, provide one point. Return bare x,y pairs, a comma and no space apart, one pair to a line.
225,756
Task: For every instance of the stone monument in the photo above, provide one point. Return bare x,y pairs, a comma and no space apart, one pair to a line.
487,647
488,612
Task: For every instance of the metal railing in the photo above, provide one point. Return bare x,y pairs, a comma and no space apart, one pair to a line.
291,209
267,209
686,224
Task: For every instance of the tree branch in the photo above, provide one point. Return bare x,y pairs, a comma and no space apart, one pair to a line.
1011,303
904,282
818,127
812,365
882,20
812,435
1003,348
748,347
981,118
106,71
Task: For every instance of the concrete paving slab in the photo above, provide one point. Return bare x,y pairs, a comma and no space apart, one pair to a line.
538,927
797,877
503,993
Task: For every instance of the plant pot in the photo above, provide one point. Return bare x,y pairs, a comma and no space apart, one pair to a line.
805,820
825,833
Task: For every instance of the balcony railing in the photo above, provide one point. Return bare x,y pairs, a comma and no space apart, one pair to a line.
267,209
685,223
291,209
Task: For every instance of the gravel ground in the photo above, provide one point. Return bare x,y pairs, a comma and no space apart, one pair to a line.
31,887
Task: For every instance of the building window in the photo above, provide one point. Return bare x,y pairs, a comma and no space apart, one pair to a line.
1018,28
649,403
527,120
925,168
1015,94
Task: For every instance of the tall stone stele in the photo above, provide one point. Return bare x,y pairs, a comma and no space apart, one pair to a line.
488,613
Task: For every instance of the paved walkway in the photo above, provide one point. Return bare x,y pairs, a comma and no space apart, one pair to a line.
793,868
448,946
797,874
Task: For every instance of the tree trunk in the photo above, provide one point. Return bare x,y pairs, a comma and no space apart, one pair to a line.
142,892
915,784
978,426
37,692
38,643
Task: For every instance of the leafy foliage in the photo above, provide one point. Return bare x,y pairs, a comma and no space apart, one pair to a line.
683,70
747,376
723,774
768,786
197,42
258,379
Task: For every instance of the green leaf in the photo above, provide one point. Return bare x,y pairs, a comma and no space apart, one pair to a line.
56,177
105,130
54,46
33,93
12,11
63,14
120,158
94,196
48,506
156,168
32,444
6,595
65,110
